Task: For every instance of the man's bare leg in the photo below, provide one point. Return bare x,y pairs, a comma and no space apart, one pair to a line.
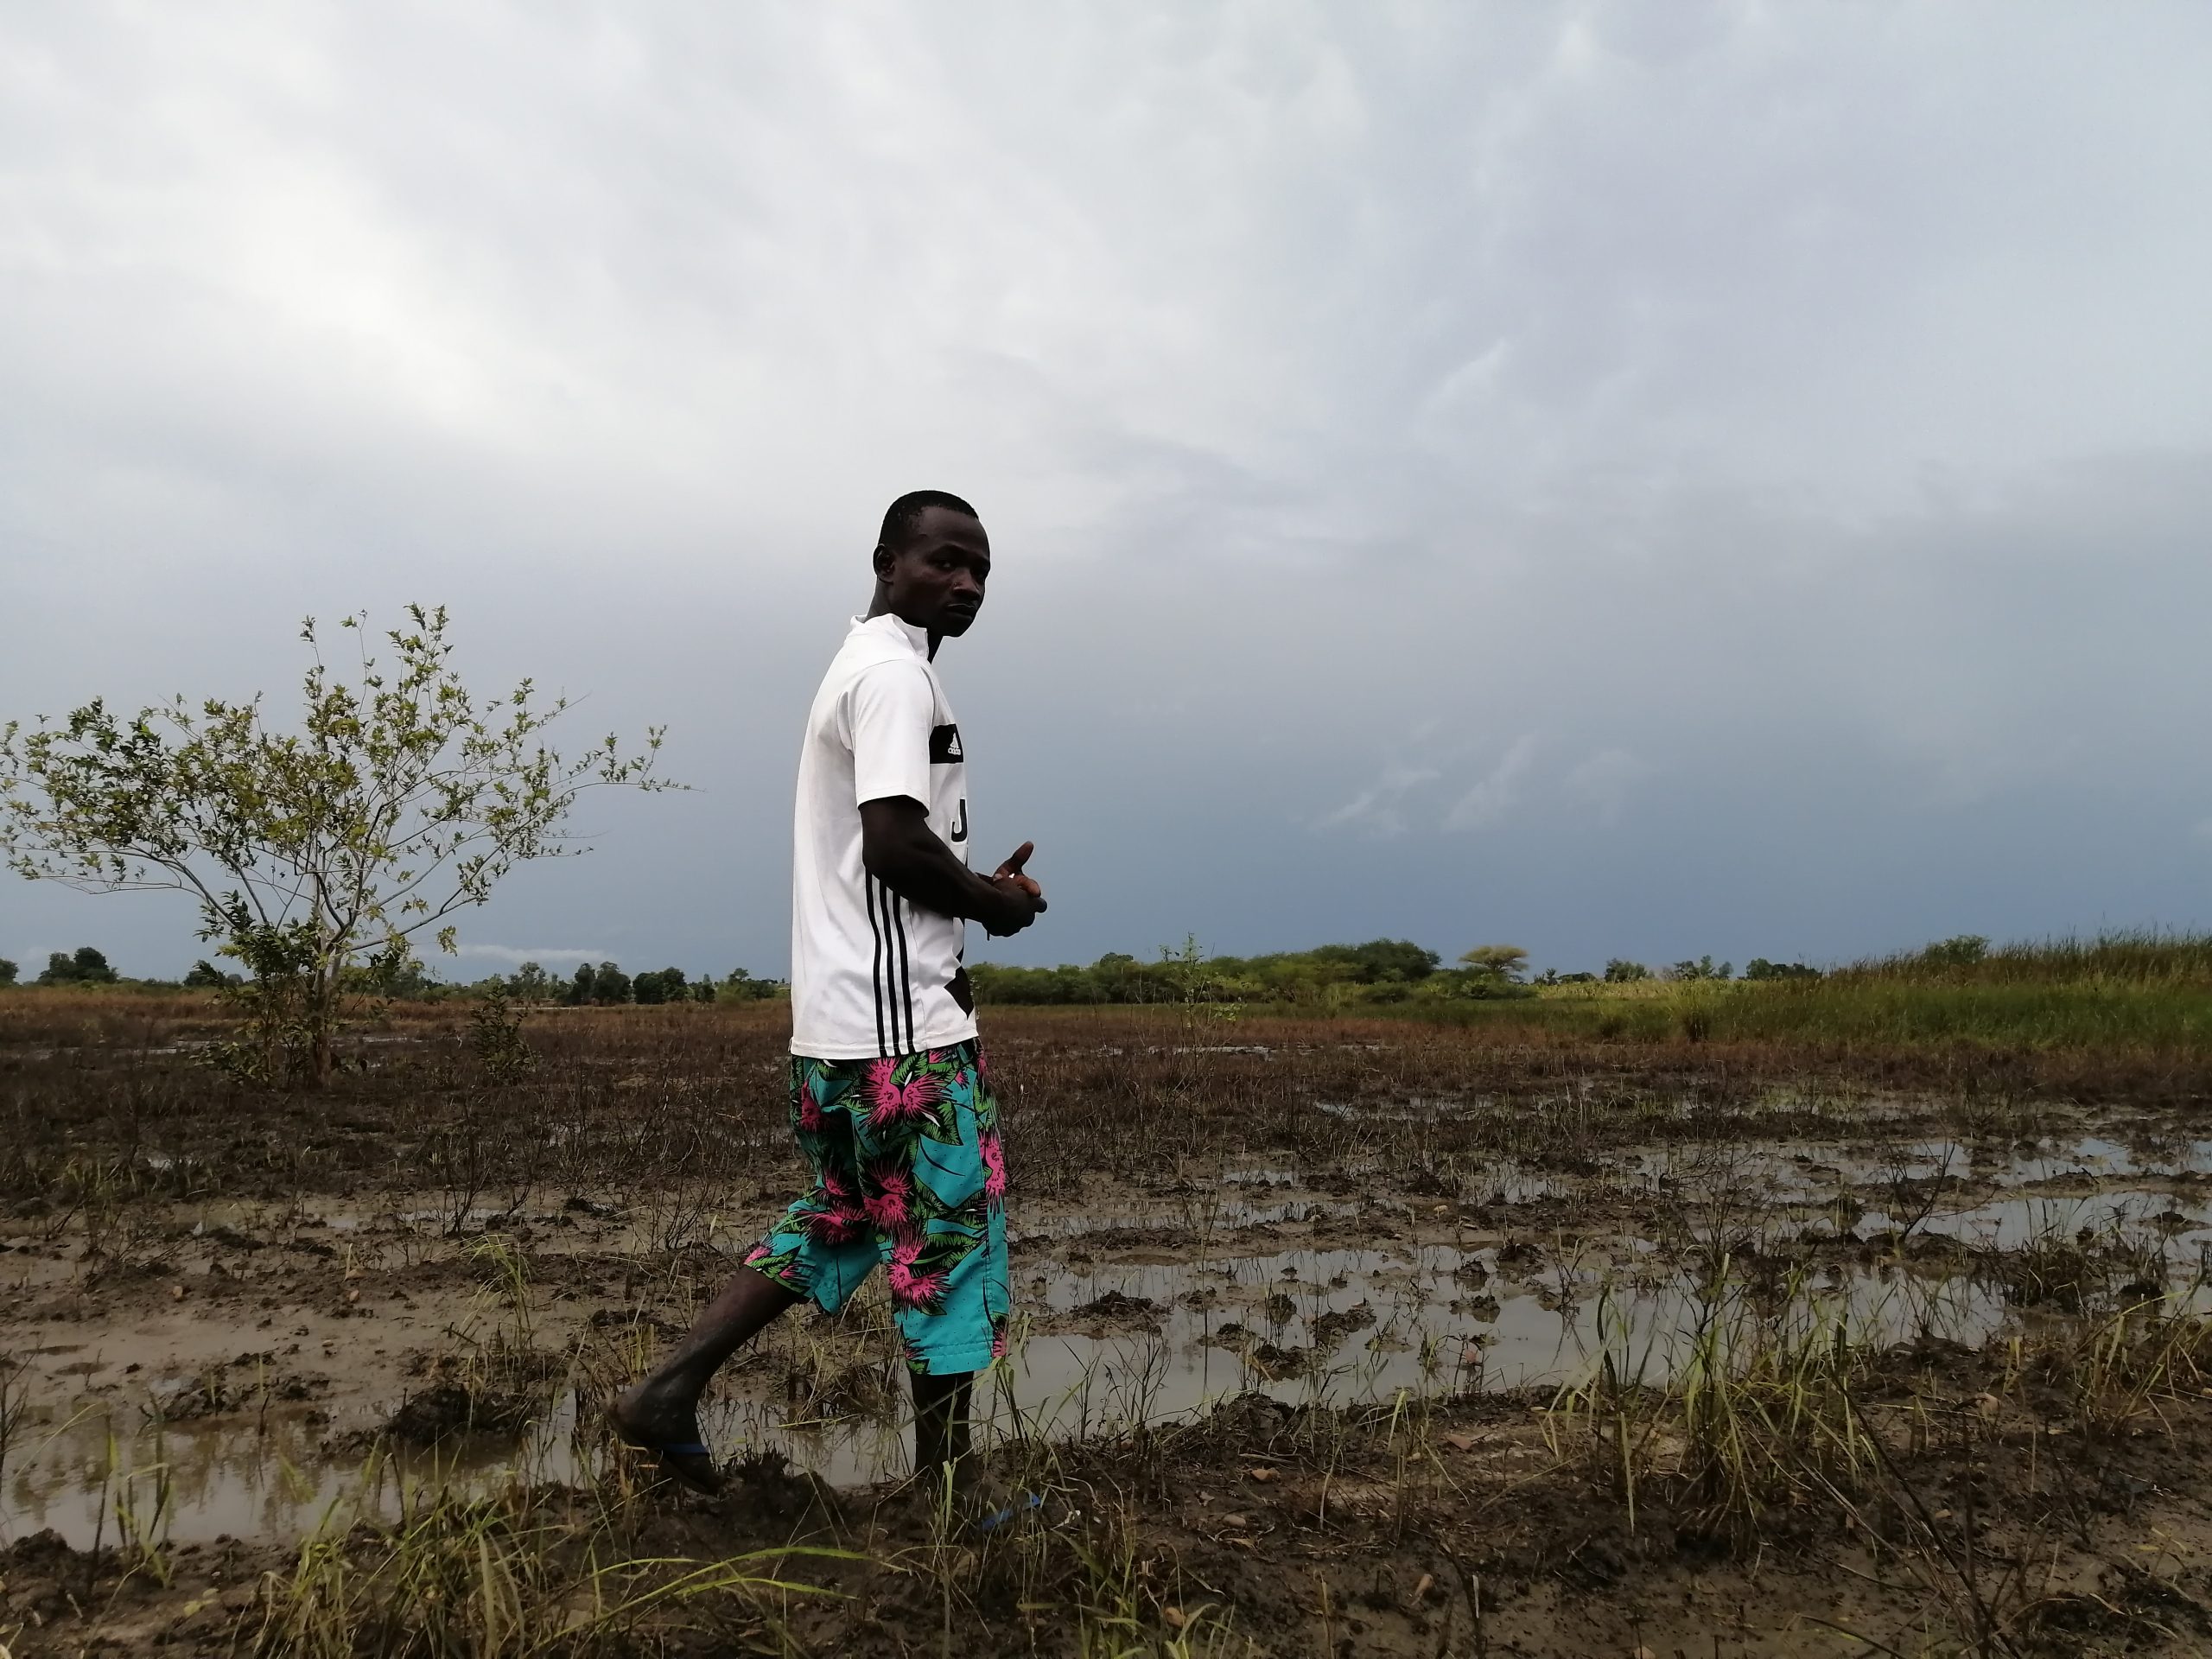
662,1411
945,1465
942,1445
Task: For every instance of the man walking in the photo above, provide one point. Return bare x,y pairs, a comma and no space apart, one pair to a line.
889,1094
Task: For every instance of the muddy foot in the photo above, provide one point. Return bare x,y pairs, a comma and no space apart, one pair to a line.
976,1499
667,1428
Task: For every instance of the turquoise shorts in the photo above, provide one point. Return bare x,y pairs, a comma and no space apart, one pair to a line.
909,1172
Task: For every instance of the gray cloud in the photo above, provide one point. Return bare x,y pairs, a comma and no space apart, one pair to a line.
1743,392
1498,791
1376,809
516,955
1605,779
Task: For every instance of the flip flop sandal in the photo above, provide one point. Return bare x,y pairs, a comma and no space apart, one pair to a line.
1024,1503
686,1462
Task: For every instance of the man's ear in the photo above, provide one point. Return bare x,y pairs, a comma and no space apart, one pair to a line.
883,559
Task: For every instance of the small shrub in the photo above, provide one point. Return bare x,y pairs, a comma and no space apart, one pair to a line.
495,1037
1961,950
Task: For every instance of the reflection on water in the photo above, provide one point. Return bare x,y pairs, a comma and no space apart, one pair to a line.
1339,1326
98,1479
1108,1343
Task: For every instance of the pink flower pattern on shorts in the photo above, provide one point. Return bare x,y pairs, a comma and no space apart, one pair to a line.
910,1172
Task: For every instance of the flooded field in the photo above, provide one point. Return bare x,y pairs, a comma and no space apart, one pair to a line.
235,1324
247,1378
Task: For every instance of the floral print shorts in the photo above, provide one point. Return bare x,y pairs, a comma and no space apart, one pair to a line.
908,1171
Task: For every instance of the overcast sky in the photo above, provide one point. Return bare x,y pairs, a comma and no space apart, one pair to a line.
1624,479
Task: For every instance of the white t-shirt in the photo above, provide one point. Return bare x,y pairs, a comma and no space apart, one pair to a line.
871,974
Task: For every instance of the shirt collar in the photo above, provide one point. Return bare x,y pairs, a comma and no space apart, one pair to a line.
897,625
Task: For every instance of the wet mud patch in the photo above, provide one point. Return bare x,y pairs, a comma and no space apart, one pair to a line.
1133,1311
1341,1333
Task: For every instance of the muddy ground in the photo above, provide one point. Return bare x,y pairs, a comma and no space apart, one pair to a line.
1336,1337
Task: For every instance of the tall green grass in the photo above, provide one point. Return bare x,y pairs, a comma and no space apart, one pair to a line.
2129,958
2131,991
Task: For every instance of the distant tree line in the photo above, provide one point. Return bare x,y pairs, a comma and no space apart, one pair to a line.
606,984
83,966
1381,970
1620,971
408,980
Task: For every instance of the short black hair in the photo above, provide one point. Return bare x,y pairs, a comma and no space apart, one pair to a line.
904,516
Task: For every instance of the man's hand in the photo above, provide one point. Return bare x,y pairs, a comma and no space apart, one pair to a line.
1011,871
1026,899
898,848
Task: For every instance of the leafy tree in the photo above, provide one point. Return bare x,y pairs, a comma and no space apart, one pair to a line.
387,978
1619,970
1702,967
702,989
530,983
1760,968
609,984
206,976
742,987
7,971
85,967
666,986
580,988
317,854
1379,960
1505,962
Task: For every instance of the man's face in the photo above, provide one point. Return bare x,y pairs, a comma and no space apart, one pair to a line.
937,579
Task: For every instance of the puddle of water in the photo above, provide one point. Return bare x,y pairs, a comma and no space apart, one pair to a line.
1797,1170
2185,1229
1220,1210
1335,1326
1311,1324
2094,1155
100,1478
